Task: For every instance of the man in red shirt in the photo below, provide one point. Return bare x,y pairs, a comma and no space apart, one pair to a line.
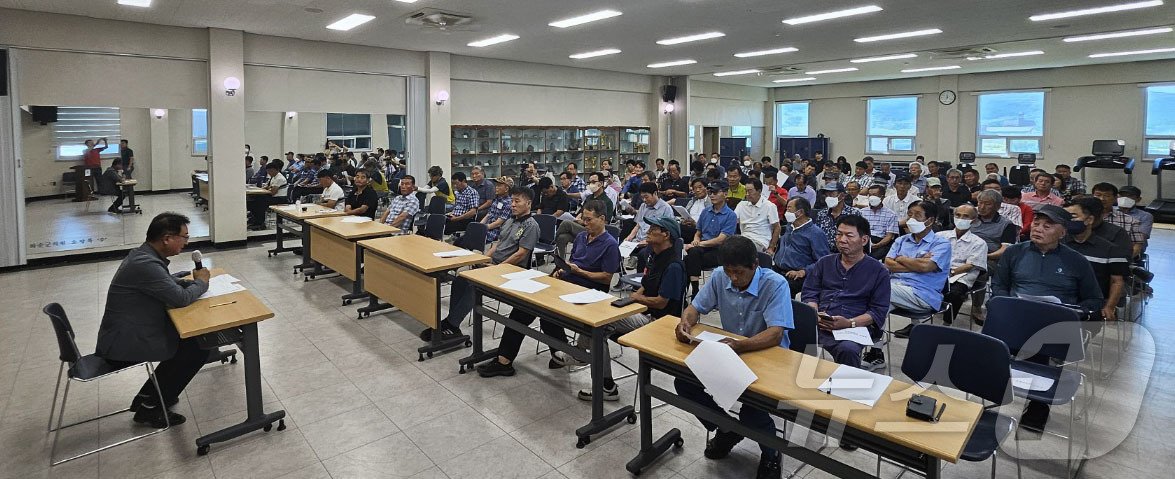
1012,196
776,194
92,159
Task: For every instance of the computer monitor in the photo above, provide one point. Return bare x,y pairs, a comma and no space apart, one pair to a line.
1113,148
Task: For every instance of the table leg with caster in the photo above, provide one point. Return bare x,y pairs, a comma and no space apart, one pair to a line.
600,422
257,418
650,450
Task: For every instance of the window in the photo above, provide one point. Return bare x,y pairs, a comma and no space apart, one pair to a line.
891,125
691,147
1010,123
349,130
742,132
791,119
1160,120
76,125
397,132
199,132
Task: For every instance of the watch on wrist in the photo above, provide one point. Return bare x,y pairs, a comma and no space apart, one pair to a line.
852,323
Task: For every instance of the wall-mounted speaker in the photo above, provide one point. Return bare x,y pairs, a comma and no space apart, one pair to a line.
668,93
3,72
43,114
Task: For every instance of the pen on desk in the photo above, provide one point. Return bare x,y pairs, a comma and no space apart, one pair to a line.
223,304
829,391
940,411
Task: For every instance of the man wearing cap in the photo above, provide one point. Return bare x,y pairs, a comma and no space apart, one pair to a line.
835,207
499,210
1069,278
899,201
831,174
918,263
1129,198
758,217
715,225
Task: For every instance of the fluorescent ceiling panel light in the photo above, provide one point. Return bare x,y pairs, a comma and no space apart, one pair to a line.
831,15
691,38
998,56
760,53
351,21
793,80
597,53
406,1
1096,10
1136,52
1107,36
884,58
582,19
737,72
895,36
835,70
493,40
135,3
931,69
672,63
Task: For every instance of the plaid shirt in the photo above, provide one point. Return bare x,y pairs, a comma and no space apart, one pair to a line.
465,200
577,185
881,221
827,223
309,174
403,204
1073,187
499,210
1128,223
865,181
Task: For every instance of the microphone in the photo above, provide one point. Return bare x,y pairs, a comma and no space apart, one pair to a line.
198,259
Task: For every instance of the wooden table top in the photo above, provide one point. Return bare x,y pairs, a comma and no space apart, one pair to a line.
312,211
793,378
417,252
130,182
352,231
201,317
253,190
595,314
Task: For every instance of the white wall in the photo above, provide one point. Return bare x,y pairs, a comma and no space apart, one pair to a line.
42,171
287,89
81,79
724,105
179,130
263,132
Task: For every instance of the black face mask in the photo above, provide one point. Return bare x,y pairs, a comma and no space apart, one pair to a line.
1074,227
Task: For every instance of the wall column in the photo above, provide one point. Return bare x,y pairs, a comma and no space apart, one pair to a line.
226,132
679,122
160,151
439,116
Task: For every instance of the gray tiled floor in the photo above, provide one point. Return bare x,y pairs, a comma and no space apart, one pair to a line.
360,405
60,225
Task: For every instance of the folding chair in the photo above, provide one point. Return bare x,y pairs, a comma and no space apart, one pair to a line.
436,206
434,227
546,243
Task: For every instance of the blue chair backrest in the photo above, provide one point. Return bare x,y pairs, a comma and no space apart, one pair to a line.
546,228
614,231
474,238
1032,328
803,339
67,347
965,360
435,227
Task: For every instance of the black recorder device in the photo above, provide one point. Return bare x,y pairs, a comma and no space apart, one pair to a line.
924,408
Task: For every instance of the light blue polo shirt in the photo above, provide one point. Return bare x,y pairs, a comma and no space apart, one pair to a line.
765,303
928,286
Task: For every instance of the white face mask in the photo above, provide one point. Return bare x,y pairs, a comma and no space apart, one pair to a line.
747,163
832,201
874,201
961,223
593,187
915,226
789,217
1124,202
713,161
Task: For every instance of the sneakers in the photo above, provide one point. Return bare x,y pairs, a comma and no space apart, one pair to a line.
426,335
447,332
154,416
137,402
494,368
612,394
769,467
848,446
904,333
873,360
721,444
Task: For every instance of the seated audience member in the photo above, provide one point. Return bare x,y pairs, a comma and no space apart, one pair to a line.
1108,194
1068,186
1070,279
831,174
802,189
1129,199
834,207
886,175
114,176
652,206
437,185
861,176
994,169
332,193
595,257
968,258
917,181
403,207
363,200
552,200
1042,192
260,176
597,190
465,204
758,218
900,199
736,192
697,203
776,194
499,210
1006,210
249,170
715,225
802,243
752,301
934,195
956,193
853,196
1109,265
485,190
577,184
1012,196
257,205
135,326
307,183
918,263
992,227
674,187
516,241
883,223
565,184
849,289
971,181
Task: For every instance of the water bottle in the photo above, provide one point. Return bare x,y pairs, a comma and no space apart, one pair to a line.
298,205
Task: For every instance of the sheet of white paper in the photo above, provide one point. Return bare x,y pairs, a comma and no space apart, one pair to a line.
627,217
1031,382
566,217
724,374
287,207
956,278
682,212
627,247
227,277
706,336
1043,299
859,335
453,254
525,274
587,296
356,219
221,285
524,285
856,385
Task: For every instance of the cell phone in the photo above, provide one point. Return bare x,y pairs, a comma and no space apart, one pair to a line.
560,263
622,302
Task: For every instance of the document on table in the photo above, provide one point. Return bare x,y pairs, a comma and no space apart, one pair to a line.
724,375
453,254
857,385
587,296
706,336
859,335
1031,382
524,285
627,217
525,274
1043,299
627,247
956,277
221,285
356,219
566,217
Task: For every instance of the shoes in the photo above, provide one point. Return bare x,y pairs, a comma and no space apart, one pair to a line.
848,446
769,467
256,227
137,402
1035,416
904,333
873,360
721,444
155,417
494,368
447,332
426,335
612,394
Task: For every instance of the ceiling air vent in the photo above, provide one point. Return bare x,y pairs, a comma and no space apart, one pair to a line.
438,19
961,52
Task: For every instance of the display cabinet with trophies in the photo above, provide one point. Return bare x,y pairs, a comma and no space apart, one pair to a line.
505,150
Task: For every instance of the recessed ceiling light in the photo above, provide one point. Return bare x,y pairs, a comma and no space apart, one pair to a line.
835,70
792,80
831,15
582,19
406,1
493,40
597,53
671,64
1096,10
1130,33
895,36
691,38
760,53
1136,52
351,21
931,69
884,58
1007,55
135,3
737,72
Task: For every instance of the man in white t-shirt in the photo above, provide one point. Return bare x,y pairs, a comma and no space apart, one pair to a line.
758,218
256,205
332,193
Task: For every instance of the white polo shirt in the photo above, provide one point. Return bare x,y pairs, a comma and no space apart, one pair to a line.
755,220
968,248
335,192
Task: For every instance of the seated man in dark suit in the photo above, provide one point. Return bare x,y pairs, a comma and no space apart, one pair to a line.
136,327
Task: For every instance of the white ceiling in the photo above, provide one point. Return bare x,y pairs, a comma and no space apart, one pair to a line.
748,25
